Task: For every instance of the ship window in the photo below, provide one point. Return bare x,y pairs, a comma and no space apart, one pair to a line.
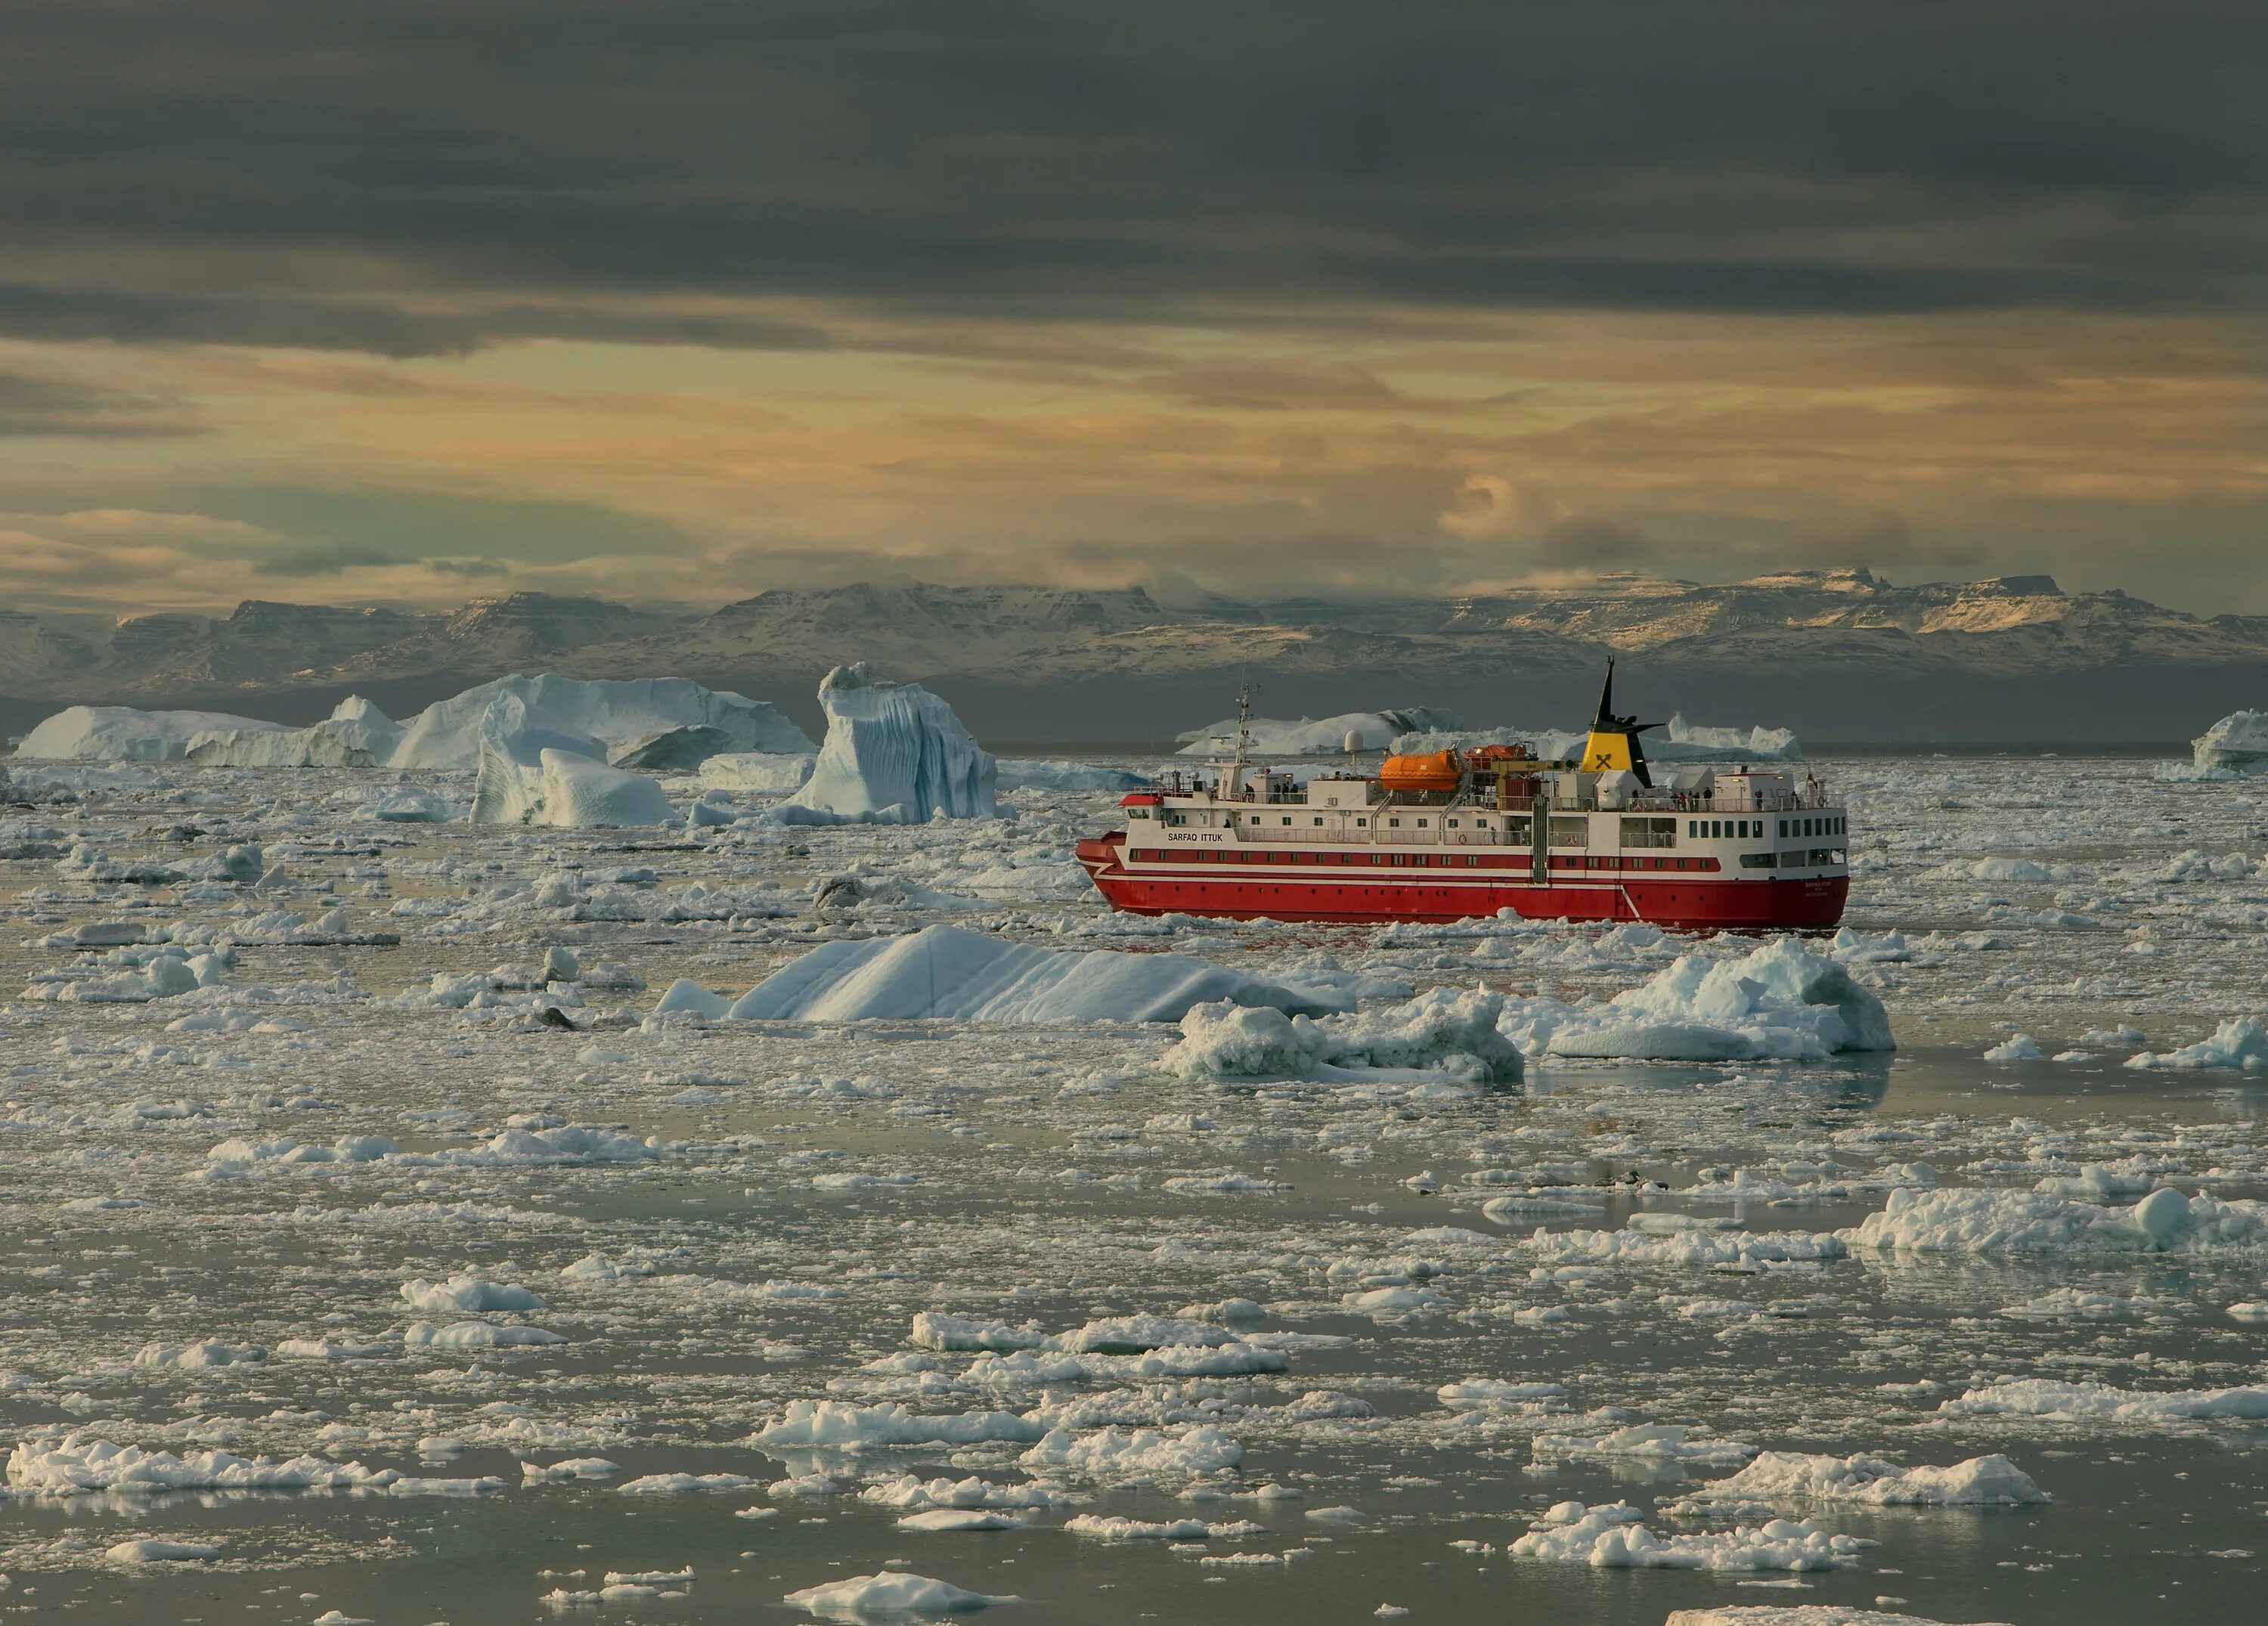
1453,824
1359,823
1421,824
1396,823
1318,822
1693,827
1287,818
1783,829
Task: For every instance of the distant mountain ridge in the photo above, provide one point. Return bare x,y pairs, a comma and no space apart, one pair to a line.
1810,648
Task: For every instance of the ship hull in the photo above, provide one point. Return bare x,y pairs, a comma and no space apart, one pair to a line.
1678,903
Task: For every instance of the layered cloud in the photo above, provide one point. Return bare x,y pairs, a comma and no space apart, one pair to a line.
684,300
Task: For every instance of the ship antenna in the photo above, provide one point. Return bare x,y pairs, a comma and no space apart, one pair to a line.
1243,720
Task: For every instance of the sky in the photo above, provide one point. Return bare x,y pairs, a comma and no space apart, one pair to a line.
409,302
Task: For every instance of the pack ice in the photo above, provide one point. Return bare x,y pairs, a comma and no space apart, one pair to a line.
894,753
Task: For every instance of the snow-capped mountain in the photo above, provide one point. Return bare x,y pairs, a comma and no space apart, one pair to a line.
1838,653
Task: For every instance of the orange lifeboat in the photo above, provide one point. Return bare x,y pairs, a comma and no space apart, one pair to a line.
1434,771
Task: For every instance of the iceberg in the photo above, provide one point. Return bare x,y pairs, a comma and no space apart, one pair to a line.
602,719
945,971
2238,744
1320,736
356,734
126,734
894,753
560,788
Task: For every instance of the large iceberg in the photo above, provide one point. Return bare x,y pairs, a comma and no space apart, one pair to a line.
894,753
524,779
1320,736
2238,744
125,735
611,720
946,972
356,734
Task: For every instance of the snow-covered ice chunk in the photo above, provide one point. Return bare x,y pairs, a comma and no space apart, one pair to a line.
1117,1457
2241,1041
944,971
1449,1031
894,753
1612,1538
934,1331
149,1550
683,1484
1781,1002
79,1463
1954,1220
1793,1476
840,1425
2057,1400
1109,1527
2015,1047
474,1336
913,1493
465,1292
896,1593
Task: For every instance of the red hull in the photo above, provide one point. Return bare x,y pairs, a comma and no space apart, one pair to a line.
1682,901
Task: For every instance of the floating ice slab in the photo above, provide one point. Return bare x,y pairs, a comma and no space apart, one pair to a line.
945,971
894,753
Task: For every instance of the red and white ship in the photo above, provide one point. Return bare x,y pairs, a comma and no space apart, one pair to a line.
1457,835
